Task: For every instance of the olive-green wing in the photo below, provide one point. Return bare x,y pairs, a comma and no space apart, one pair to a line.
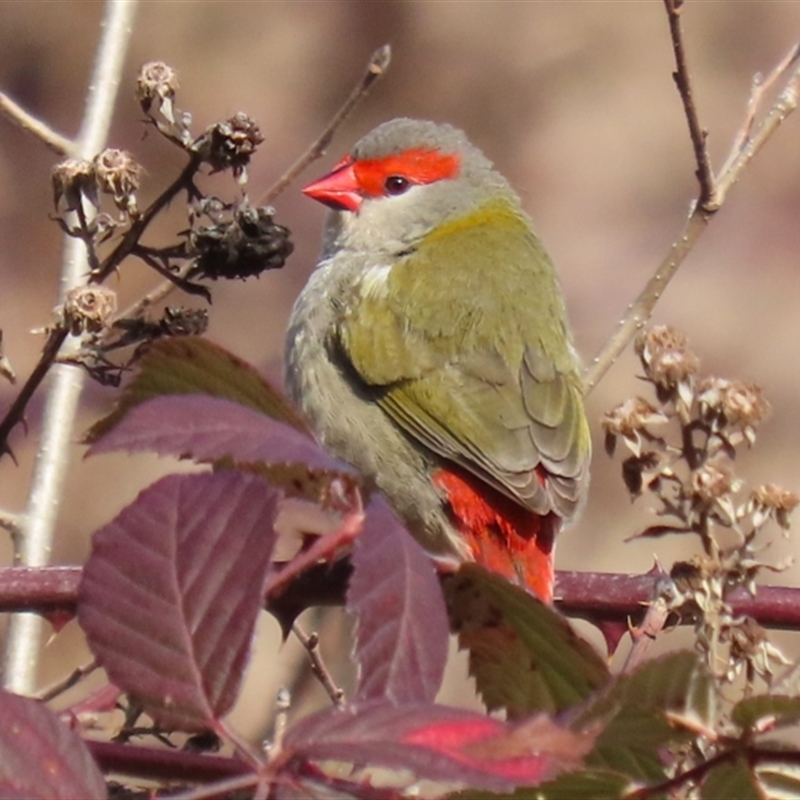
474,361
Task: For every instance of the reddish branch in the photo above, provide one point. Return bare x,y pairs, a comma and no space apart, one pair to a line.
596,596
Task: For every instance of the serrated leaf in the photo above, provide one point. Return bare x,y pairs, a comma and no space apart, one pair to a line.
40,757
782,709
402,633
171,591
209,428
192,365
635,707
578,785
524,656
731,779
440,744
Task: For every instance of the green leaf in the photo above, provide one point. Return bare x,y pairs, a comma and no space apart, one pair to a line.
731,779
524,656
635,707
192,365
783,709
585,785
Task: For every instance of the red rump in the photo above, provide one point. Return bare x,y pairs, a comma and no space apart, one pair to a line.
503,536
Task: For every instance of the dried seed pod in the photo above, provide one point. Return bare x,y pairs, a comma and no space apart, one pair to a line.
73,180
242,247
157,82
88,309
669,364
630,420
230,144
118,174
770,500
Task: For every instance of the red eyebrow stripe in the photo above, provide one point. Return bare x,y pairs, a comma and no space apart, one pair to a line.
418,165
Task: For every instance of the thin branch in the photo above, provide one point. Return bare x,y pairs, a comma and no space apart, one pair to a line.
707,200
22,644
156,295
65,684
641,309
19,116
760,88
377,66
784,105
16,412
311,644
134,233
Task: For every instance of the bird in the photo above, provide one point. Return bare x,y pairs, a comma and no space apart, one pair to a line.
430,349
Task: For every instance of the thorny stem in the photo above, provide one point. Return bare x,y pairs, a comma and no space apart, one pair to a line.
595,596
22,643
743,150
58,335
135,232
54,141
377,66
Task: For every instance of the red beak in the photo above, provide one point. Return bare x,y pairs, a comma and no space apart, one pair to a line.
339,189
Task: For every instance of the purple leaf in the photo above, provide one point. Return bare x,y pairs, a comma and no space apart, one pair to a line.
193,365
209,428
42,758
402,633
170,594
440,744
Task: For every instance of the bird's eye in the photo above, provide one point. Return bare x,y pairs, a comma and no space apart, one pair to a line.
396,184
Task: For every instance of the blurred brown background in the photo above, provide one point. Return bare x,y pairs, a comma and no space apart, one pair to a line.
575,103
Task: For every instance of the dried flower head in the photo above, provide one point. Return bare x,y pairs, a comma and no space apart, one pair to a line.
73,180
713,481
184,321
118,175
770,500
667,361
157,82
242,247
230,144
732,403
88,309
630,420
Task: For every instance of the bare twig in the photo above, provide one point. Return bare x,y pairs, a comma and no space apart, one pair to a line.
760,88
282,705
55,141
22,644
311,644
784,105
707,200
75,677
156,295
641,309
377,66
